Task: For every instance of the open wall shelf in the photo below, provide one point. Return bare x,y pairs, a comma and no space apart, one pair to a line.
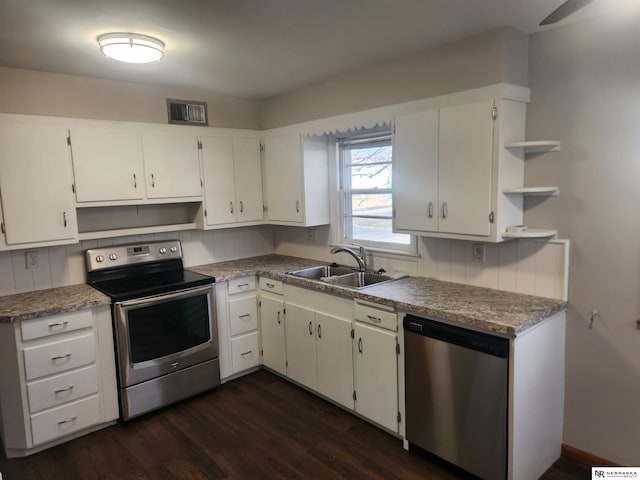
538,191
536,146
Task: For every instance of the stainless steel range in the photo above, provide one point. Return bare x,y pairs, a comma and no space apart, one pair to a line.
164,323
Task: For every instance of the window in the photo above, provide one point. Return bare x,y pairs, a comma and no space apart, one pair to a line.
365,182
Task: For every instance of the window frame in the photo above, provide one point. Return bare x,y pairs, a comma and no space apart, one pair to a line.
345,144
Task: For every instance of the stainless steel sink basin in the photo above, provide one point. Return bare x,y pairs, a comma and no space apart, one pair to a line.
322,271
343,276
359,279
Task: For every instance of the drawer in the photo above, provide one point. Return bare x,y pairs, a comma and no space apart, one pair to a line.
66,322
245,352
273,286
54,391
243,314
376,316
239,285
59,356
65,420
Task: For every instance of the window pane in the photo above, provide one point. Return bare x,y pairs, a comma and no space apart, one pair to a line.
368,155
377,230
370,176
375,204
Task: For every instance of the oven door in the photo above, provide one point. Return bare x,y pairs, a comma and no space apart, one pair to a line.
164,333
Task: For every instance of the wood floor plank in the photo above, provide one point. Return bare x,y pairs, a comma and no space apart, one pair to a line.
256,427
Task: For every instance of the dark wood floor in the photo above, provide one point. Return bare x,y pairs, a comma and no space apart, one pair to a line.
256,427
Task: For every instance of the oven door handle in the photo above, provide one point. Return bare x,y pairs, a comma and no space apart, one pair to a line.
165,297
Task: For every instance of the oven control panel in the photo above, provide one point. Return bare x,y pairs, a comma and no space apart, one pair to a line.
130,254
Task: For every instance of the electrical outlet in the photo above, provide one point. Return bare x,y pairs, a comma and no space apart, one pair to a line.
33,259
312,235
478,253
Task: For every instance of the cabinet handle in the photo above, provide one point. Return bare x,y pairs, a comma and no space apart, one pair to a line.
278,318
360,345
65,389
60,357
270,285
135,181
319,332
445,210
58,324
310,328
153,181
231,207
374,319
246,353
66,420
245,315
64,218
243,285
430,210
297,206
241,206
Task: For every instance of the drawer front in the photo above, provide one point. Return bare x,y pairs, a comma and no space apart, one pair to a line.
243,315
375,316
273,286
59,356
65,420
66,322
54,391
245,352
239,285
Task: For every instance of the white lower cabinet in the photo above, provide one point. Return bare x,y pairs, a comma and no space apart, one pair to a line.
300,340
376,376
271,305
237,313
59,379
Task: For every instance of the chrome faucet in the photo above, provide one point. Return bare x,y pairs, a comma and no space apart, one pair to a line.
359,257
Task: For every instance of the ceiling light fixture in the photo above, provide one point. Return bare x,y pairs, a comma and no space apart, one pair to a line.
131,47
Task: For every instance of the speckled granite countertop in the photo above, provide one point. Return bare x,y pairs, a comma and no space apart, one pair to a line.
42,303
496,311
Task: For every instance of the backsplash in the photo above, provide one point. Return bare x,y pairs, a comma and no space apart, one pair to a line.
64,265
535,267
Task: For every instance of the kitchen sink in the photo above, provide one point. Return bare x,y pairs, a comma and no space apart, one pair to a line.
322,271
342,276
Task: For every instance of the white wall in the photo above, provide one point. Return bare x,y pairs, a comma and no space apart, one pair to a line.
65,265
31,92
585,85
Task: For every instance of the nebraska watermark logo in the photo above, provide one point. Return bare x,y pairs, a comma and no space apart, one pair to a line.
598,473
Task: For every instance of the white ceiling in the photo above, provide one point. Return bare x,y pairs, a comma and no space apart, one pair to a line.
250,48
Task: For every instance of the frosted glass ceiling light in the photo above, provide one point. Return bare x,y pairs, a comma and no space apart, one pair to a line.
131,47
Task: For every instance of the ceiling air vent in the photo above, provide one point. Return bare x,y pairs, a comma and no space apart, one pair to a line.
186,112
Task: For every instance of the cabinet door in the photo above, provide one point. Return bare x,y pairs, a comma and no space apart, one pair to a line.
107,165
283,178
465,151
172,165
301,345
248,179
35,185
415,172
376,375
220,194
272,333
334,358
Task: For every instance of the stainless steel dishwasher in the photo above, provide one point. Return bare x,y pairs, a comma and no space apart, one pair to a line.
456,384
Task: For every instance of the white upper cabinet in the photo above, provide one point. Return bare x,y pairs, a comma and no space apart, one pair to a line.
465,150
450,171
232,179
172,166
415,172
36,186
107,165
296,178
